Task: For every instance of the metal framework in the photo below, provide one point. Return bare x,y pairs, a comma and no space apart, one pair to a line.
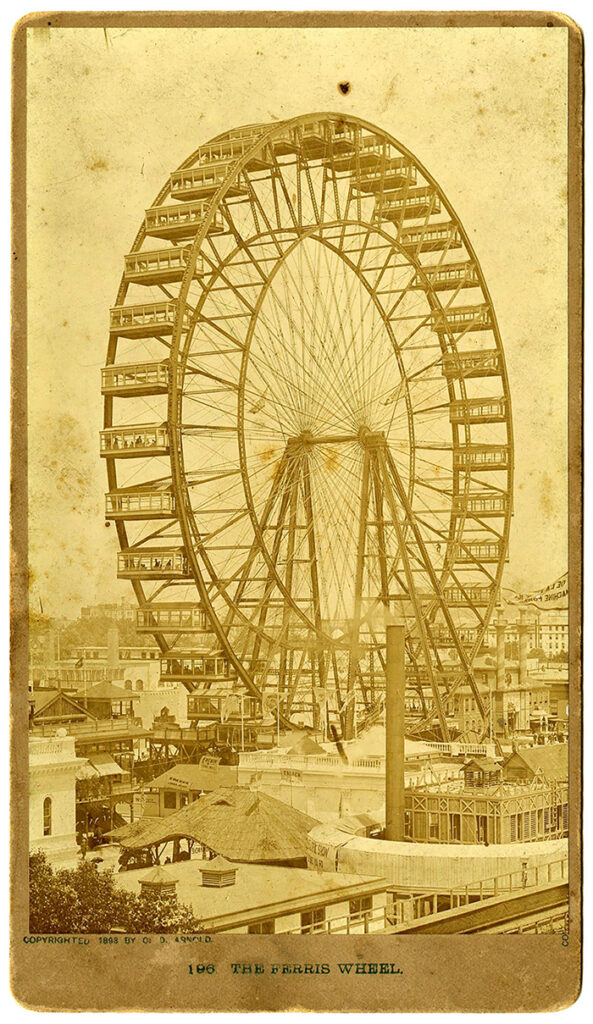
307,424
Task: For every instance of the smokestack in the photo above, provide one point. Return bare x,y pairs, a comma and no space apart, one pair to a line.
394,733
113,650
500,649
523,639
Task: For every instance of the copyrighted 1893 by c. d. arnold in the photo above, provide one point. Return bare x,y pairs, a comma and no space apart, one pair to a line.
296,688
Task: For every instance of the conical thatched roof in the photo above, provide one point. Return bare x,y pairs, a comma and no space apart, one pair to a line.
234,822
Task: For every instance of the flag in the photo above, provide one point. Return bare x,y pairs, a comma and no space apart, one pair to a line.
554,596
229,706
269,708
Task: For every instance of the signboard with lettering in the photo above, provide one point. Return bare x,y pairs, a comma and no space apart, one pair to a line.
209,761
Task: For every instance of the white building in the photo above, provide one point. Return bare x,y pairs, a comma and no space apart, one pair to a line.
53,770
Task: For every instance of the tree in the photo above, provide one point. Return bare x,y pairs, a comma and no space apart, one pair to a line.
85,900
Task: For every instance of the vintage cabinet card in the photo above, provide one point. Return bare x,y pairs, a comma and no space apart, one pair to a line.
296,684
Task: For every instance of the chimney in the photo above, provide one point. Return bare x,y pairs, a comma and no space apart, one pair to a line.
500,648
158,883
112,651
394,733
523,641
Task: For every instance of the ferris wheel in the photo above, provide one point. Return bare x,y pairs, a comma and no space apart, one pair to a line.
307,424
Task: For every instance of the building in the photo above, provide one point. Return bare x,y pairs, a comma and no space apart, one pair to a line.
54,768
105,700
137,667
184,784
510,812
547,629
231,821
266,900
122,612
323,785
548,761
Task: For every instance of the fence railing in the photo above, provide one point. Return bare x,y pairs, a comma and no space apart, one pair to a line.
411,907
328,761
91,728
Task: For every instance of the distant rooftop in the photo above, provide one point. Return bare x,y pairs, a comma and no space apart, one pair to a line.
259,893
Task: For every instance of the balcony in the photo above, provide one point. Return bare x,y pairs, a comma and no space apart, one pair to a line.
458,598
234,147
447,277
171,617
388,176
180,221
196,665
231,707
370,151
131,380
456,319
133,442
483,505
142,502
204,180
152,564
481,458
478,552
160,266
148,320
460,365
478,410
432,238
416,202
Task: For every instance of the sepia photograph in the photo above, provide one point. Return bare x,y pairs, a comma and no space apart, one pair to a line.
296,510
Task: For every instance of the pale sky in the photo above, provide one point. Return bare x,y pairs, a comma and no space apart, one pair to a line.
109,118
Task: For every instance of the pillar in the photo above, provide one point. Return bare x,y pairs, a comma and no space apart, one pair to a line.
394,733
113,651
500,649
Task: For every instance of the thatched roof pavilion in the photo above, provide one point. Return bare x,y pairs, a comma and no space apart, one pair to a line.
233,822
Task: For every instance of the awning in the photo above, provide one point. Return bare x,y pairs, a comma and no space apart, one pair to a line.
105,765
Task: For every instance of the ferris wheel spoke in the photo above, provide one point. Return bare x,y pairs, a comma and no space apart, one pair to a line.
411,584
435,584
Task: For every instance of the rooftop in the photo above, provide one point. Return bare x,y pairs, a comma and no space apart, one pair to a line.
259,893
191,777
232,821
549,759
106,691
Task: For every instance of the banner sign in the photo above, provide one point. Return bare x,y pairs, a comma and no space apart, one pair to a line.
553,596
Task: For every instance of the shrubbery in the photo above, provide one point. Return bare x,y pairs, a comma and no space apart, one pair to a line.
83,899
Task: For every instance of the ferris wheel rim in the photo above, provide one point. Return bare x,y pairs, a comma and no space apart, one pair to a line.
267,134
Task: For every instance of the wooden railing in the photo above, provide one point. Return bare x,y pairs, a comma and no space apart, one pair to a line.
412,907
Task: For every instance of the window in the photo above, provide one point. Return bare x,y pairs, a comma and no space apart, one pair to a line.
312,920
482,828
434,831
170,800
361,906
47,816
262,928
455,827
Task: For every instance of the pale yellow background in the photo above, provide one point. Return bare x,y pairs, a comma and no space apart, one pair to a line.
111,114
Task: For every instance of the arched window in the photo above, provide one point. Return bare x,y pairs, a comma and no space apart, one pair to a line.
139,684
47,816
